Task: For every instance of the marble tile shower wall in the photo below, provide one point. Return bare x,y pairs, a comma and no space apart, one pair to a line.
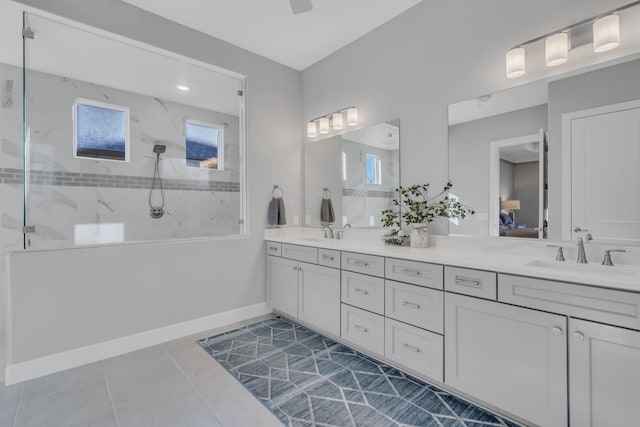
65,191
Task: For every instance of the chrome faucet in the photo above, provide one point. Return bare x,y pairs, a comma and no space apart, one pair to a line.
607,256
582,257
328,232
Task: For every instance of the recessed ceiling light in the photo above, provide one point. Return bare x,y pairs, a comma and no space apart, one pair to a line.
183,88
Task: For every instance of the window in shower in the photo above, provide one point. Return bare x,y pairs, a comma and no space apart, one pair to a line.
100,131
205,144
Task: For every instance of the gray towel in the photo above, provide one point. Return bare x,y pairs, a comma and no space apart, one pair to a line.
276,214
273,212
282,219
326,211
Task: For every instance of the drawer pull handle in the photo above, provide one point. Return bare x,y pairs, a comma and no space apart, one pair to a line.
557,330
411,348
463,281
361,291
578,336
328,257
360,328
273,248
411,305
361,263
410,272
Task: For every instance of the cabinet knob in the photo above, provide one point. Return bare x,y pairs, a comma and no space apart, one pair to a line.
557,330
578,336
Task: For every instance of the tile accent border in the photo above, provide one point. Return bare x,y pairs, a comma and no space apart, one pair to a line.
80,179
353,192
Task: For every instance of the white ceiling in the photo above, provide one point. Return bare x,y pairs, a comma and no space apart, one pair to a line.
270,29
383,135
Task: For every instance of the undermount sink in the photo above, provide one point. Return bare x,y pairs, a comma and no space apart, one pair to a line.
311,239
589,269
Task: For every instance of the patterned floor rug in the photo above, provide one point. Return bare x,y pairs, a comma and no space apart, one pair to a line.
308,380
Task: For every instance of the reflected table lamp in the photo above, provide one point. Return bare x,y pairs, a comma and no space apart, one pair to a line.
512,206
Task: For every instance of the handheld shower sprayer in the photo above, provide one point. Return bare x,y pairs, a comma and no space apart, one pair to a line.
157,212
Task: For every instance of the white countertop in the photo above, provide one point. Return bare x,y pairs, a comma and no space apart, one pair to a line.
502,258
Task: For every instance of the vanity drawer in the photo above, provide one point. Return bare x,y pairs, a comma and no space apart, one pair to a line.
274,248
609,306
363,328
418,273
415,305
329,258
300,253
476,283
414,348
363,291
361,263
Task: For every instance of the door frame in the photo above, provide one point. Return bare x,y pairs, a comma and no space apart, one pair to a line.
566,171
494,178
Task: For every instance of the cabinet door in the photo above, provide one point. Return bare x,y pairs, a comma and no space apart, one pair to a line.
319,297
604,367
510,357
283,285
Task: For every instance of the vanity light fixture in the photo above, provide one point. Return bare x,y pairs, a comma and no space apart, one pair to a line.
323,124
606,33
312,130
183,88
337,121
352,116
604,30
556,49
516,64
333,121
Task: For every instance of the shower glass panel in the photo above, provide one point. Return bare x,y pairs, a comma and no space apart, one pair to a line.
97,108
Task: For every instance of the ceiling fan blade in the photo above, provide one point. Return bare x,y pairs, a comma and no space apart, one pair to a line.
300,6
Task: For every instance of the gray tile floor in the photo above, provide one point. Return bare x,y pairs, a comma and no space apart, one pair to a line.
174,384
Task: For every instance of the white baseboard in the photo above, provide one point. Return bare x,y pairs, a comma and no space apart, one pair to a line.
23,371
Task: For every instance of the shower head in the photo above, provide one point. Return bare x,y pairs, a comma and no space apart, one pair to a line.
159,148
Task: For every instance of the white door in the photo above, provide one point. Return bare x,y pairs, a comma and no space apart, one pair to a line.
283,284
605,172
511,357
319,297
604,372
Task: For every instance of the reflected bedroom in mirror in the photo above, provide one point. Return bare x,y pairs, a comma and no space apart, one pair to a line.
350,178
553,158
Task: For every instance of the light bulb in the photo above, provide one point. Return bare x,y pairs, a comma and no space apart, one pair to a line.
606,33
323,125
337,121
516,64
556,49
352,116
311,130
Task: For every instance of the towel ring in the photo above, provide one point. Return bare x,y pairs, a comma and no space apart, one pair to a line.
326,193
277,188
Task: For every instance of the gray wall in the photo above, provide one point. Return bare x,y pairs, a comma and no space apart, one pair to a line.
469,159
506,180
610,85
437,53
525,188
72,299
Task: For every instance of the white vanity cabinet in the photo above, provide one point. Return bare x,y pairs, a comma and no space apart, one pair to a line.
283,284
511,357
304,290
319,297
604,373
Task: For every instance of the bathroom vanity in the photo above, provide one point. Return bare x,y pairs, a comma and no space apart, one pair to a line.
549,343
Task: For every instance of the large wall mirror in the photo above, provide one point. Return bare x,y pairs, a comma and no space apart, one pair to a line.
552,158
358,171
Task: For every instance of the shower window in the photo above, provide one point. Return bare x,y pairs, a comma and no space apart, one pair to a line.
100,131
205,145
